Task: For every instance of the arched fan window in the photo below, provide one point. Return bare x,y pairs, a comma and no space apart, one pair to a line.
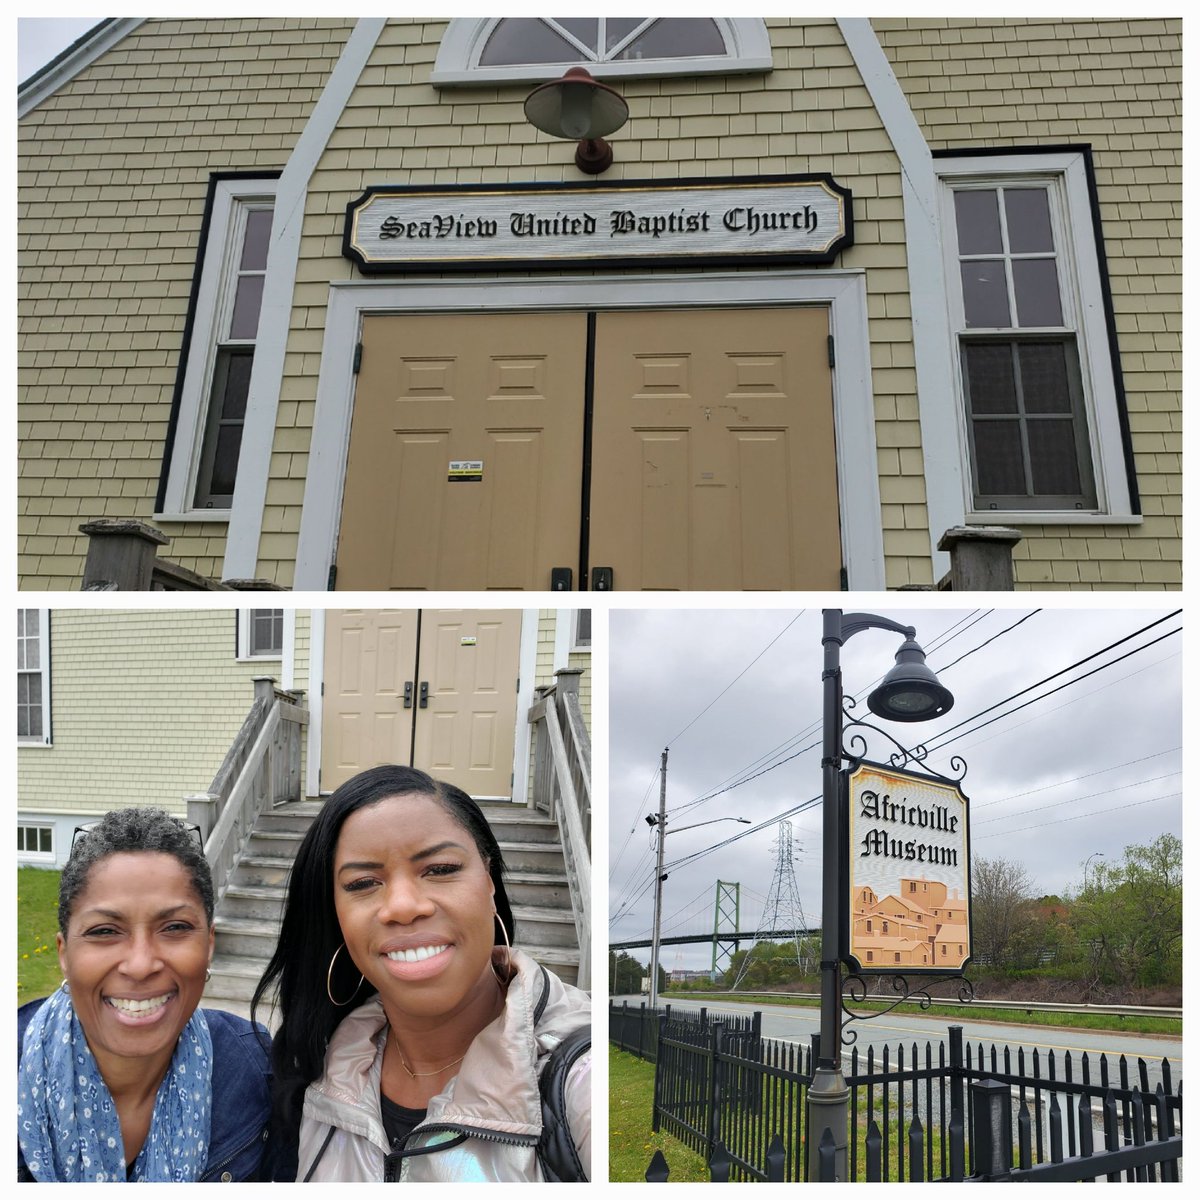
535,48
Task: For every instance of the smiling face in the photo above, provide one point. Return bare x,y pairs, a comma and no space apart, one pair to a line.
135,953
414,901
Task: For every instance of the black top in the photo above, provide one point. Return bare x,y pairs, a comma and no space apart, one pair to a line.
398,1121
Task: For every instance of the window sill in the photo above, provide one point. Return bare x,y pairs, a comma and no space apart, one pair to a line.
23,744
209,515
1036,517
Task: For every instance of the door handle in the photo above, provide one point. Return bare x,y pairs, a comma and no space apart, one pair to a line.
602,579
408,694
424,701
560,579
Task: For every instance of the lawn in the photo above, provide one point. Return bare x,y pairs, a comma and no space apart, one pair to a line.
631,1145
37,923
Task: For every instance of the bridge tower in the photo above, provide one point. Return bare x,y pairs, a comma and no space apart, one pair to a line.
726,919
783,909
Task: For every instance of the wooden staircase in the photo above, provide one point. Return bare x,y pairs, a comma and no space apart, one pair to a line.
248,914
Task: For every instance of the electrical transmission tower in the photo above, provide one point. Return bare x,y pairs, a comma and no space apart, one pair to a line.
783,909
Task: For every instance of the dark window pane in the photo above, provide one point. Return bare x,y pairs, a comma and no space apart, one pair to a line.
985,295
526,40
29,706
583,628
999,464
617,29
1053,458
225,460
686,37
266,630
586,29
977,216
1028,214
258,238
990,382
233,380
45,841
1035,281
246,304
1045,384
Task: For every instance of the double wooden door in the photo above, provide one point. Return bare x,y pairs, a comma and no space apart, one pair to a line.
671,450
430,688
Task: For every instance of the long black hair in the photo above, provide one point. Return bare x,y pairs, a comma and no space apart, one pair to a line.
310,935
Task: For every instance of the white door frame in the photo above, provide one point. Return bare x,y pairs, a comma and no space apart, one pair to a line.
527,661
844,292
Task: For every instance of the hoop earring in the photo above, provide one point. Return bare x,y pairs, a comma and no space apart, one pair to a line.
208,974
329,981
508,968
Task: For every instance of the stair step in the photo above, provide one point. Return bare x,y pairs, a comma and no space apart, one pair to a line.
544,926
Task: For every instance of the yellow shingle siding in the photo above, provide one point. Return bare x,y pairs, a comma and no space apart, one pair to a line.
1115,85
113,174
810,113
144,707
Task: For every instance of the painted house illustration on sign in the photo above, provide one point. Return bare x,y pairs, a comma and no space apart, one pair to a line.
924,926
851,291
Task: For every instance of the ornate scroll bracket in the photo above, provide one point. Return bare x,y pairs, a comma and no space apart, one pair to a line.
855,991
854,748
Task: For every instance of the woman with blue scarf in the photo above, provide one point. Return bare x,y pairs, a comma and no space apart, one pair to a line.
122,1078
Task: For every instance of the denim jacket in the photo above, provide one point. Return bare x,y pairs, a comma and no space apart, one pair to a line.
241,1102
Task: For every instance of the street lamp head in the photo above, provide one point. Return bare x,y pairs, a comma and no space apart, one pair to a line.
910,690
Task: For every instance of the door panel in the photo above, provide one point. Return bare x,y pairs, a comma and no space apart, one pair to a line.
470,661
503,390
466,733
713,460
369,656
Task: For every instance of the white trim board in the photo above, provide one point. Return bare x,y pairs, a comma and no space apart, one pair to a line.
266,378
843,292
933,353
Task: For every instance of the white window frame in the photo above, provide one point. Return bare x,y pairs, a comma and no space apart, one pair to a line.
46,739
37,856
245,624
233,199
1065,175
576,646
747,43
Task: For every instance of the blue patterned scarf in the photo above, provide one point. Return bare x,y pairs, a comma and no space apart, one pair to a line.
67,1121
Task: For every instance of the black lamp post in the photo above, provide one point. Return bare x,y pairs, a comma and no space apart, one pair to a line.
909,692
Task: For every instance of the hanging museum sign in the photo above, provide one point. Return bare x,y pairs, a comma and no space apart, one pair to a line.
782,219
907,910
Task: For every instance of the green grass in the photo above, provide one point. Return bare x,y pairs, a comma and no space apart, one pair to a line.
1017,1016
37,923
631,1145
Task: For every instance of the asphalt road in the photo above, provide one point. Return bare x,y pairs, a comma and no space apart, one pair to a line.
902,1027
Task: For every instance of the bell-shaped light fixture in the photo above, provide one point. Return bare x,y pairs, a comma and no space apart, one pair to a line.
910,690
580,108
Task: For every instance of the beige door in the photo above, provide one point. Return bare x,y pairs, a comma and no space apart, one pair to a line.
369,659
469,666
433,689
713,461
465,451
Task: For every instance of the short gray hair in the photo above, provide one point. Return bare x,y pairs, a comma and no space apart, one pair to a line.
133,830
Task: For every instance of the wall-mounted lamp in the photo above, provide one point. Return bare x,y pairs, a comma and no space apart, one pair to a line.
580,108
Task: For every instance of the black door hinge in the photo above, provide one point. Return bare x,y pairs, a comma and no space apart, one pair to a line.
829,341
332,577
844,579
357,358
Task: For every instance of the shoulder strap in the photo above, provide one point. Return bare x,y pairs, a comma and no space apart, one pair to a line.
556,1151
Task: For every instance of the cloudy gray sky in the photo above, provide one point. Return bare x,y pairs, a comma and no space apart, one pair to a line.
39,39
1093,768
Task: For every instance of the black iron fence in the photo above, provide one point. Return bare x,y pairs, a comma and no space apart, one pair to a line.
738,1100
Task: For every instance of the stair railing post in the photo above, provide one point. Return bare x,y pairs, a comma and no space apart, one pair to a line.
202,811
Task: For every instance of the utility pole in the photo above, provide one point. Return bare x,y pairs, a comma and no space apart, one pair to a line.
658,880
